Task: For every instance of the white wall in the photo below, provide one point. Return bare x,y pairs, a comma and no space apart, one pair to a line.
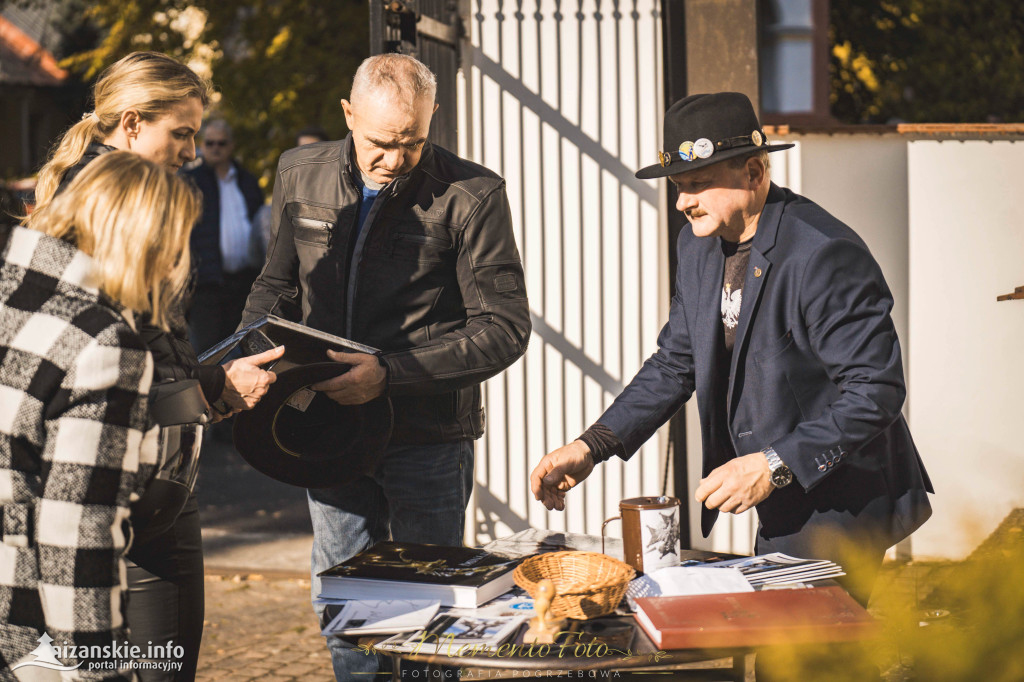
967,369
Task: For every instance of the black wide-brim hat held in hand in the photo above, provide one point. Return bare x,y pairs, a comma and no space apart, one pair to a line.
302,437
704,129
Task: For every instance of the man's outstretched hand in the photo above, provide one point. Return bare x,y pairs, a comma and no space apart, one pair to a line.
560,471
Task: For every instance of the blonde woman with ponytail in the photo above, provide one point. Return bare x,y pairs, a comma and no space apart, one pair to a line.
77,446
147,103
152,105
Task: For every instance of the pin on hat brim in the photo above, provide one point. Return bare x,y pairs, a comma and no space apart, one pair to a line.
302,437
659,170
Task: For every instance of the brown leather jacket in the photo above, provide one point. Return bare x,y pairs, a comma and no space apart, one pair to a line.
433,279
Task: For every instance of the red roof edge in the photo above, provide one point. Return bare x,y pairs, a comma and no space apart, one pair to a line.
31,52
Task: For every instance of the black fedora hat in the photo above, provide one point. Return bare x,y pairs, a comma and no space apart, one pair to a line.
302,437
704,129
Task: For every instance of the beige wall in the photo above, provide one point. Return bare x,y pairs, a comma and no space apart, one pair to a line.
966,247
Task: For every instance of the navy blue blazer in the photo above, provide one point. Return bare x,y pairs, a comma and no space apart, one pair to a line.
816,373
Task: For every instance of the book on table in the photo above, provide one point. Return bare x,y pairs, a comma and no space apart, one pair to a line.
456,576
457,633
381,616
765,618
776,567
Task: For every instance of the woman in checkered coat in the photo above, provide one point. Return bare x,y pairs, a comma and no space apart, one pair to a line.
152,105
76,445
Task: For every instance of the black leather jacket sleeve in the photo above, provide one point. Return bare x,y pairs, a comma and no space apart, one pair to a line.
174,359
497,330
276,290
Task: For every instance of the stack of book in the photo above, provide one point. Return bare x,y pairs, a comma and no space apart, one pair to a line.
763,618
454,576
777,568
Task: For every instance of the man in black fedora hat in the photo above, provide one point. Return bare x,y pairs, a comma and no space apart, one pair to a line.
780,323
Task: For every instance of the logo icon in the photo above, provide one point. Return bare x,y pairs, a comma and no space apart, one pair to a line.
46,656
686,151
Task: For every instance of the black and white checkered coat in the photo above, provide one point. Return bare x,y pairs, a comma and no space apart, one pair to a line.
75,449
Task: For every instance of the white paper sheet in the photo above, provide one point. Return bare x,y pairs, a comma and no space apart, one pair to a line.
675,581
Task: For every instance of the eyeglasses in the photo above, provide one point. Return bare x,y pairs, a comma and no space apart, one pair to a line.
215,143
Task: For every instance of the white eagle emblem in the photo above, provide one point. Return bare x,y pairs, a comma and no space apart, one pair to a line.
731,301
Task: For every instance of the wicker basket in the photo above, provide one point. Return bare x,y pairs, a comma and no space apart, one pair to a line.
587,584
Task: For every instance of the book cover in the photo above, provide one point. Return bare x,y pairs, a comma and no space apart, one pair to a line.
821,614
303,345
384,616
457,576
457,635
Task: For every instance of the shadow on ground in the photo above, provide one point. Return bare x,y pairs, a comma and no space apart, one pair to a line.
244,513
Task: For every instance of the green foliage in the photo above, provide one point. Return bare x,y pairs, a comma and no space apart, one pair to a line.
935,61
277,65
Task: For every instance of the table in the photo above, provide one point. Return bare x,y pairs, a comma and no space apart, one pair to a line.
627,648
632,651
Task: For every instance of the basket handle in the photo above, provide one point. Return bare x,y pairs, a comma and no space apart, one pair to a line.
606,522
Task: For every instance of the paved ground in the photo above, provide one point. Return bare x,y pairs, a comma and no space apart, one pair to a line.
256,541
941,622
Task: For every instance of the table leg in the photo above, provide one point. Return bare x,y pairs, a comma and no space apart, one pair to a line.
743,668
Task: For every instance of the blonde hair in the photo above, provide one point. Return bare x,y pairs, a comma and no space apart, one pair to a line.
149,82
397,76
134,218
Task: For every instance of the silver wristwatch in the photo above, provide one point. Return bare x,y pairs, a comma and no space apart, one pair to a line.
782,475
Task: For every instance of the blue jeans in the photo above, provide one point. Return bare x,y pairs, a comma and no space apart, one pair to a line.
417,493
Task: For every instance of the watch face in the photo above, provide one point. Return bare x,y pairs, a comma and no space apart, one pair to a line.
782,477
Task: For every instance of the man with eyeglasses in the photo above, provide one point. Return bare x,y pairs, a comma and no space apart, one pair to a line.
226,247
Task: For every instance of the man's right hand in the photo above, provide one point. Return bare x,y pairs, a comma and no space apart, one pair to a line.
560,471
246,383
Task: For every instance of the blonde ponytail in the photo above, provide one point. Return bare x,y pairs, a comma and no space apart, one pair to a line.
66,153
148,82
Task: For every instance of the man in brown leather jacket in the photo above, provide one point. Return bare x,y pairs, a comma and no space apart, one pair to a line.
387,240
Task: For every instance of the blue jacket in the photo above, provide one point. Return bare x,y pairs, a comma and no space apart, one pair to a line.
816,373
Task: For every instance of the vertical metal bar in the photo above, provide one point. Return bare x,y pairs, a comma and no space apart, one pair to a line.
524,364
602,280
673,31
579,199
542,203
500,17
376,27
561,219
619,134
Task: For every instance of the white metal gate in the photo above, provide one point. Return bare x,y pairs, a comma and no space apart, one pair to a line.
564,100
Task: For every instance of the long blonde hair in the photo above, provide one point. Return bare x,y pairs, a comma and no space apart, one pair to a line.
134,218
149,82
